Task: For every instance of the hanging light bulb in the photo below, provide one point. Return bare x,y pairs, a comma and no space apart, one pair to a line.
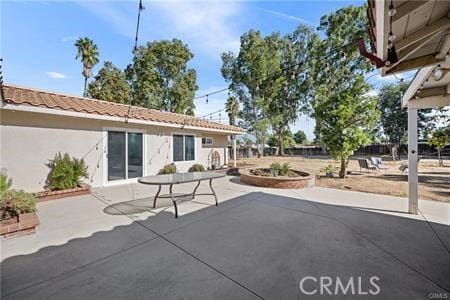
391,37
392,11
390,45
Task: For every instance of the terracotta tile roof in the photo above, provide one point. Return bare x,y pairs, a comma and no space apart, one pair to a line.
32,97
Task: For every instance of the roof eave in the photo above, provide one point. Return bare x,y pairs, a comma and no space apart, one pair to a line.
50,111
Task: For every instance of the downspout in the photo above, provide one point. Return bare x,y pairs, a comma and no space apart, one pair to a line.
378,62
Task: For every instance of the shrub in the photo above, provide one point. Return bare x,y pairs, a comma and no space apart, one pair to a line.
196,168
5,181
330,169
66,172
16,202
281,169
168,169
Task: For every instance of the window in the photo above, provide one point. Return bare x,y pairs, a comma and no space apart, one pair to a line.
207,141
183,147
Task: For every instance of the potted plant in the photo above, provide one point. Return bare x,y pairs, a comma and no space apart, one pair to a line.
329,171
17,209
65,178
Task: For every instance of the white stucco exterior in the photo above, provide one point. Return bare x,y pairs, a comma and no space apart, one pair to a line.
29,139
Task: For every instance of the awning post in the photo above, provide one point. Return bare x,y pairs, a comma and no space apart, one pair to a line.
234,151
413,179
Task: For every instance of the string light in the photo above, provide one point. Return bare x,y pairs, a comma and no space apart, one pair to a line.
391,36
392,11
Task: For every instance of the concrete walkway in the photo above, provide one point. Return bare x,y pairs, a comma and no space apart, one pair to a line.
258,243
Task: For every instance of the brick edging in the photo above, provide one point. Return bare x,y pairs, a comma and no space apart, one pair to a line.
27,224
51,195
278,182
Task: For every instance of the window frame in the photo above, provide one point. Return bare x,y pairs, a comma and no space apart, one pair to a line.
184,147
106,181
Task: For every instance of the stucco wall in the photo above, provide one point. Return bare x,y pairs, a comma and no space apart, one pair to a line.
28,140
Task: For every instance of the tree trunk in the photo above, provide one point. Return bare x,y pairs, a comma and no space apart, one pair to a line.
85,86
343,168
441,163
280,144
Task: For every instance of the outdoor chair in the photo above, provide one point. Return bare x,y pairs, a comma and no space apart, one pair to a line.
377,162
364,163
404,168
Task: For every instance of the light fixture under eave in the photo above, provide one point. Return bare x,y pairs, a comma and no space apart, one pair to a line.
438,73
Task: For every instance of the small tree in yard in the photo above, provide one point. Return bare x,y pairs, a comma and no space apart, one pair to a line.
439,139
345,115
347,120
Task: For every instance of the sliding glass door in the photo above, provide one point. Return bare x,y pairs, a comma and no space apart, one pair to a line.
135,146
125,155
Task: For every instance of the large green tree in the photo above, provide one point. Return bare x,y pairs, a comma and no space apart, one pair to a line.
288,139
269,77
294,81
87,52
110,85
161,78
393,124
248,74
345,116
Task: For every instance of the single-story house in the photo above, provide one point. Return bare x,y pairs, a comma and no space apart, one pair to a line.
118,142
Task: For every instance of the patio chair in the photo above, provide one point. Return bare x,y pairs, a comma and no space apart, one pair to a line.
377,162
404,168
364,163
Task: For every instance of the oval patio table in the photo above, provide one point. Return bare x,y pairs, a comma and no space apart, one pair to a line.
178,178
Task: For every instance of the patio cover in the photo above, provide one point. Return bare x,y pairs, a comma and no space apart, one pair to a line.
407,35
430,88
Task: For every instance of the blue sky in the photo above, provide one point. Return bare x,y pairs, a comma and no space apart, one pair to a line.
37,37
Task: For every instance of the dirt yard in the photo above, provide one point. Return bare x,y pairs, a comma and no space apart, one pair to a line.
434,181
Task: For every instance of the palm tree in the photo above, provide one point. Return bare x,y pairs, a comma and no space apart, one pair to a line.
88,52
232,108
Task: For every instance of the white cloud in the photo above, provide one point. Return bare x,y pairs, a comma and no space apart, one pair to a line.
288,17
207,27
56,75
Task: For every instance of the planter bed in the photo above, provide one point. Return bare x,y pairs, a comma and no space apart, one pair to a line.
51,195
236,171
24,224
304,180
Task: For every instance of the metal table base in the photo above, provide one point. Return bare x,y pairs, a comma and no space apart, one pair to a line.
174,197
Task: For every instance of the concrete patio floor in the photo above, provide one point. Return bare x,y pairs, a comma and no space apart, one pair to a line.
258,243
